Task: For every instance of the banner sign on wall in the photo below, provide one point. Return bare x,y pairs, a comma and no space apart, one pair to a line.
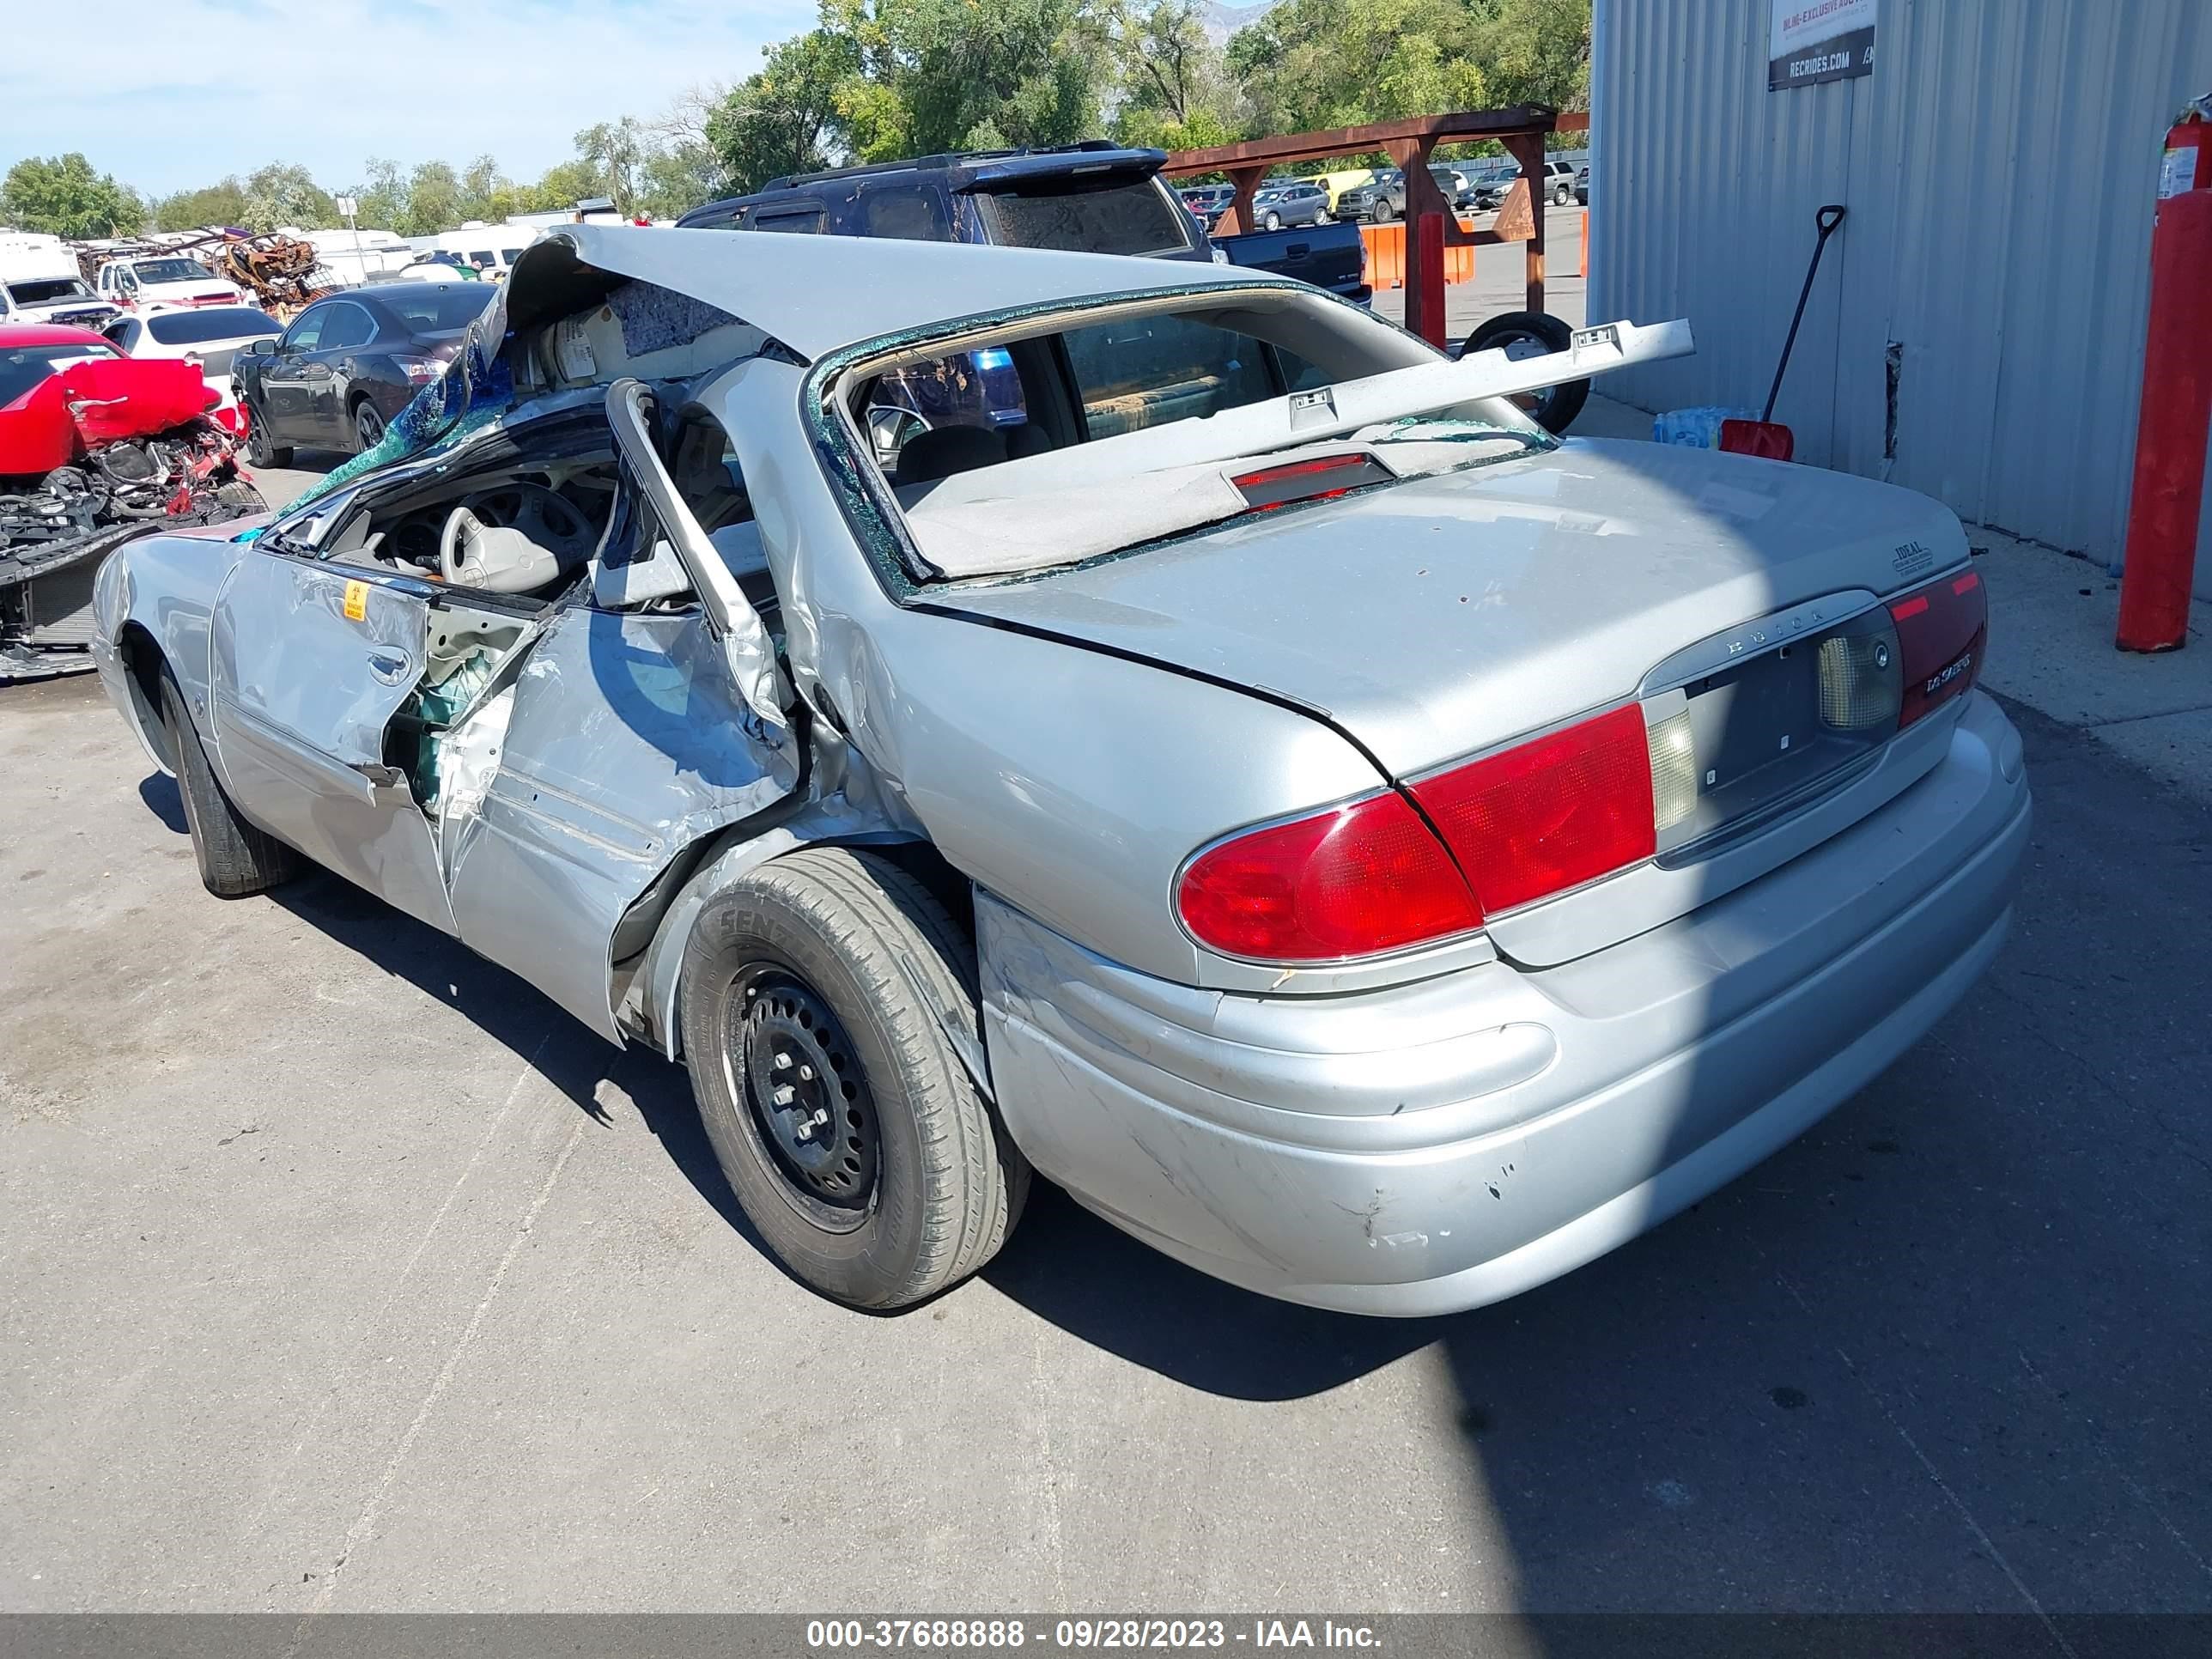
1814,40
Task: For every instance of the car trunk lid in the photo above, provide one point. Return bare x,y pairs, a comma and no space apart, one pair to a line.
1437,619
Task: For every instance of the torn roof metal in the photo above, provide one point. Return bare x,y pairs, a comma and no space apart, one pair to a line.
815,294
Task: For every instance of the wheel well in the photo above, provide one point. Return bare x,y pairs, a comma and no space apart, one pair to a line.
142,663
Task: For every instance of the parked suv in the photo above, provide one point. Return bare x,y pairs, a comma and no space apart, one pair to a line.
1558,182
1091,197
1289,202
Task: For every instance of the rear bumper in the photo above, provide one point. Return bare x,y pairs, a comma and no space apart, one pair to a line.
1443,1145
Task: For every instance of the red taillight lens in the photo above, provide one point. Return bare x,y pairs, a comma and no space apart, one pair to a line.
1942,630
1352,882
1550,814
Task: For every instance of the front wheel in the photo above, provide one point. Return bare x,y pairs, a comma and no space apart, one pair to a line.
235,859
1271,221
1534,334
852,1133
1381,210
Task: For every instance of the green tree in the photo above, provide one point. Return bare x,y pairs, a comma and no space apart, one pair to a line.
221,203
485,192
616,152
381,199
283,193
62,195
781,120
434,199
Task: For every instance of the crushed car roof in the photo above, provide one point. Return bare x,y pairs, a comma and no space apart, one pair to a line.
815,294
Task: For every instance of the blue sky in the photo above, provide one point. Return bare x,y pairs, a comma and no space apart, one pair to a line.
181,92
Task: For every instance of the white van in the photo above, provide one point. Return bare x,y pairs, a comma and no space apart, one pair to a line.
40,284
492,249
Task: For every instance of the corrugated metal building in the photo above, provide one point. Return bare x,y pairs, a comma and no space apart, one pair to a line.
2000,164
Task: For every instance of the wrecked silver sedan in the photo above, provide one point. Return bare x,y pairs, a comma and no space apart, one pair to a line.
985,710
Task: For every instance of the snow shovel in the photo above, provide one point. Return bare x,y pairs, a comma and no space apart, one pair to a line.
1766,436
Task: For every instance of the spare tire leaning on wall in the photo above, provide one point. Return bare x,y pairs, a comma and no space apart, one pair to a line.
1534,334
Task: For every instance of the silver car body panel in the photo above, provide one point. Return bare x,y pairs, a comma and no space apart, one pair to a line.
627,743
1426,1130
1437,1146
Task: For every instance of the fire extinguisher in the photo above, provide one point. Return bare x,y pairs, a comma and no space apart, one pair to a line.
2176,417
2187,165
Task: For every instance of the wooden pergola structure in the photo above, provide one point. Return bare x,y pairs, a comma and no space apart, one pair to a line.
1520,129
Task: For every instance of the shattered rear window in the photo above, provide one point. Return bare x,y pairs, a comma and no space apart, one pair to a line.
1129,217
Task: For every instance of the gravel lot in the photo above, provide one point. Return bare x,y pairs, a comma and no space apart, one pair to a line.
339,1271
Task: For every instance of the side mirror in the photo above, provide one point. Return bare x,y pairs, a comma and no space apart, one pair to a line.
263,348
746,646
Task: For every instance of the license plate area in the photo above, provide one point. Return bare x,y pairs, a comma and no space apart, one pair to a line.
1771,733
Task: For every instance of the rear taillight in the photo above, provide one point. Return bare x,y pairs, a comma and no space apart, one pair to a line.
1545,816
1550,814
1354,881
1316,480
1365,879
1942,630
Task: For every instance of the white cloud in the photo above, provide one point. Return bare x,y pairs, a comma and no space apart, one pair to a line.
182,92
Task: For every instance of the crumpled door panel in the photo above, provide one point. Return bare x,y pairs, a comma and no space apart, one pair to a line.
626,743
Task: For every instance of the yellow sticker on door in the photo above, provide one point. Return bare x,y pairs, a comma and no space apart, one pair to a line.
356,601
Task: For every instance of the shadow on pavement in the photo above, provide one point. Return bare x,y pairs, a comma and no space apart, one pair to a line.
574,1060
1944,1351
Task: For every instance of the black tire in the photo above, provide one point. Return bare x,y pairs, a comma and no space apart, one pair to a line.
235,859
242,497
1534,333
367,427
259,450
932,1186
1381,210
1271,221
1559,196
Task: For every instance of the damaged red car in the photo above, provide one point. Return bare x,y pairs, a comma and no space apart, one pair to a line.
96,447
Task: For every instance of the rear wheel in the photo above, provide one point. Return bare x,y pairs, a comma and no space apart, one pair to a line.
1534,334
850,1130
235,859
367,426
260,449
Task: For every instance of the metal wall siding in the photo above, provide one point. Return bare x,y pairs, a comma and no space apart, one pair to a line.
2000,168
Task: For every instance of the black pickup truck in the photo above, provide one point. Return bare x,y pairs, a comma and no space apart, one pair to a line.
1090,197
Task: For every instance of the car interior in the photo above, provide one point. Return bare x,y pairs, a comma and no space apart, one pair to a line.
978,447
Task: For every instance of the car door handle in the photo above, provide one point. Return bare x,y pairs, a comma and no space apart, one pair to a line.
390,666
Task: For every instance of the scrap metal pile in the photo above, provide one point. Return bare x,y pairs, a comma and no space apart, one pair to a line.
281,273
95,453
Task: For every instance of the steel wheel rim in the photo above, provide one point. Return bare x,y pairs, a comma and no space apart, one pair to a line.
798,1084
1518,348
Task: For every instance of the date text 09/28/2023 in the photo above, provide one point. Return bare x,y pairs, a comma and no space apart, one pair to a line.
987,1635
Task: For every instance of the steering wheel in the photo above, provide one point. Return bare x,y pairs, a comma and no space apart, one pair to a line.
540,514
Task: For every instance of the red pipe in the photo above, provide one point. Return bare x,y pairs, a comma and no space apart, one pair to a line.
1429,259
2172,431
